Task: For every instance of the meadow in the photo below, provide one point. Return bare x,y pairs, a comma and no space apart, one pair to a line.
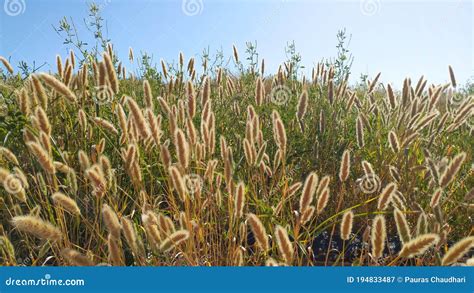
192,163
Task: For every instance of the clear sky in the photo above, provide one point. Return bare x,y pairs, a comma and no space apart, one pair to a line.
398,38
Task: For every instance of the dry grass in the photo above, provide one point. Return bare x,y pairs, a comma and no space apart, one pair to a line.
194,170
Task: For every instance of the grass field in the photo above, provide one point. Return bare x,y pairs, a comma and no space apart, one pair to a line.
193,164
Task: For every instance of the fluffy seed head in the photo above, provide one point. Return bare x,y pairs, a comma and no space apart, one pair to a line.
302,105
307,214
76,258
393,140
271,262
6,64
402,226
346,225
106,125
37,227
182,148
206,91
258,231
236,54
285,247
418,245
115,252
58,86
279,132
435,198
379,234
42,156
239,200
147,94
129,233
323,184
421,224
456,251
452,170
360,132
368,169
111,73
174,240
386,195
111,221
24,102
9,155
66,203
373,83
139,119
191,95
451,76
309,189
391,96
322,200
39,91
470,262
43,121
178,182
345,166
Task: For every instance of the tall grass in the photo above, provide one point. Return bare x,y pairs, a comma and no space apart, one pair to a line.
102,166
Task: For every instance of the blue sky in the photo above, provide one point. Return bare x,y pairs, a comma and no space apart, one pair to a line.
398,38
